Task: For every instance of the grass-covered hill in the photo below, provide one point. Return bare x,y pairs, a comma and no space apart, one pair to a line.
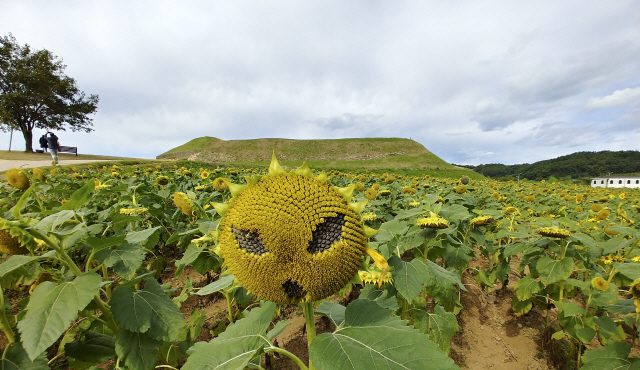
575,166
395,155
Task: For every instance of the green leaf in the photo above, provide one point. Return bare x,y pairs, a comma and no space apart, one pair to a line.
390,230
52,308
630,270
614,356
623,230
98,244
616,243
16,358
527,287
440,325
15,212
608,297
553,271
584,333
608,328
137,350
622,307
13,263
223,282
458,256
333,310
455,212
125,259
234,348
278,329
513,249
371,339
51,223
521,307
95,348
408,277
569,308
73,238
148,311
196,321
191,254
141,236
80,196
382,297
585,239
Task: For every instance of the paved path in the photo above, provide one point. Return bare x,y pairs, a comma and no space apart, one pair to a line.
9,164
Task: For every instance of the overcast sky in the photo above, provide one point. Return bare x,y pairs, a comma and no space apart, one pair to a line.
473,81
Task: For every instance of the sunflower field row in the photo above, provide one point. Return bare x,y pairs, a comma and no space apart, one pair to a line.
84,250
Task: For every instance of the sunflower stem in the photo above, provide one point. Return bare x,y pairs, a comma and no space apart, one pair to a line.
310,319
228,297
4,323
293,357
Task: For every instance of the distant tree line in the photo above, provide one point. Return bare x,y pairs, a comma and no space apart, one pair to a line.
573,166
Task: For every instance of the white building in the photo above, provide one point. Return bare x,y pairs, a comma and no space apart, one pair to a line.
616,182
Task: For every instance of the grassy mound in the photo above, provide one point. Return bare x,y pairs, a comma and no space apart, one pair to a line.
373,154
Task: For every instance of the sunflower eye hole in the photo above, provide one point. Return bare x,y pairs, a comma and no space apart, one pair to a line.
250,242
326,233
293,290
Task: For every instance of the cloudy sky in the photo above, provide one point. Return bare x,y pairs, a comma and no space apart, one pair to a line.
473,81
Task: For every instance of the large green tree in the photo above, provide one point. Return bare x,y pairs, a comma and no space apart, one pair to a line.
35,93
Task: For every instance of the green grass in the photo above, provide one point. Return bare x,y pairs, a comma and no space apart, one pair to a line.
26,156
393,155
199,143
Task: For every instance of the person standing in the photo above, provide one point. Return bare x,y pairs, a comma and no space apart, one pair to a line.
54,145
43,143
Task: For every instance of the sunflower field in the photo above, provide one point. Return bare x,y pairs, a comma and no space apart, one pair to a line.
90,257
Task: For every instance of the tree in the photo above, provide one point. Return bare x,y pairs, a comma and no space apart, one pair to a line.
35,93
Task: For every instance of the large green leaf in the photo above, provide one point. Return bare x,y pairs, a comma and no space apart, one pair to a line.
98,244
13,263
15,358
51,223
138,350
615,244
527,287
458,256
96,347
223,282
141,236
553,271
408,277
125,259
612,357
236,346
15,212
333,310
440,325
371,339
383,297
52,308
630,270
148,311
443,286
80,196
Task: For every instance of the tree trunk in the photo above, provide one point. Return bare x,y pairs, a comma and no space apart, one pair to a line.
28,139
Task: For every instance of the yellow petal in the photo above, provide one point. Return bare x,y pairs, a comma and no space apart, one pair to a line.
346,192
221,208
304,170
369,232
274,167
358,207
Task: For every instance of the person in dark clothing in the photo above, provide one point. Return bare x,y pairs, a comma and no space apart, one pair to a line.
54,145
43,143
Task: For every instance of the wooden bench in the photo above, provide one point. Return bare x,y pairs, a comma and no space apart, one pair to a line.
68,149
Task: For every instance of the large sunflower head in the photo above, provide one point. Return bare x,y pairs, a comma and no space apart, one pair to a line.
18,179
289,237
13,239
184,204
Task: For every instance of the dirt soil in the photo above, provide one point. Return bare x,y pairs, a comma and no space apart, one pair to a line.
492,336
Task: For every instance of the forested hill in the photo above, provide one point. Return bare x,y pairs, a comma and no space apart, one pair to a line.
575,166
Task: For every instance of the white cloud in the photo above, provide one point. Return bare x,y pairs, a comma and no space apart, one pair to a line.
462,78
628,96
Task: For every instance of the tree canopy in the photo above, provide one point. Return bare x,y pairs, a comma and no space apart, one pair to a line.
35,93
576,165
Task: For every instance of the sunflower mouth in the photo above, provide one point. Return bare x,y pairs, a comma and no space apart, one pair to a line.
326,233
250,242
293,290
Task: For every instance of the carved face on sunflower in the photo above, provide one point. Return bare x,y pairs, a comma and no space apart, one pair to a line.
291,238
